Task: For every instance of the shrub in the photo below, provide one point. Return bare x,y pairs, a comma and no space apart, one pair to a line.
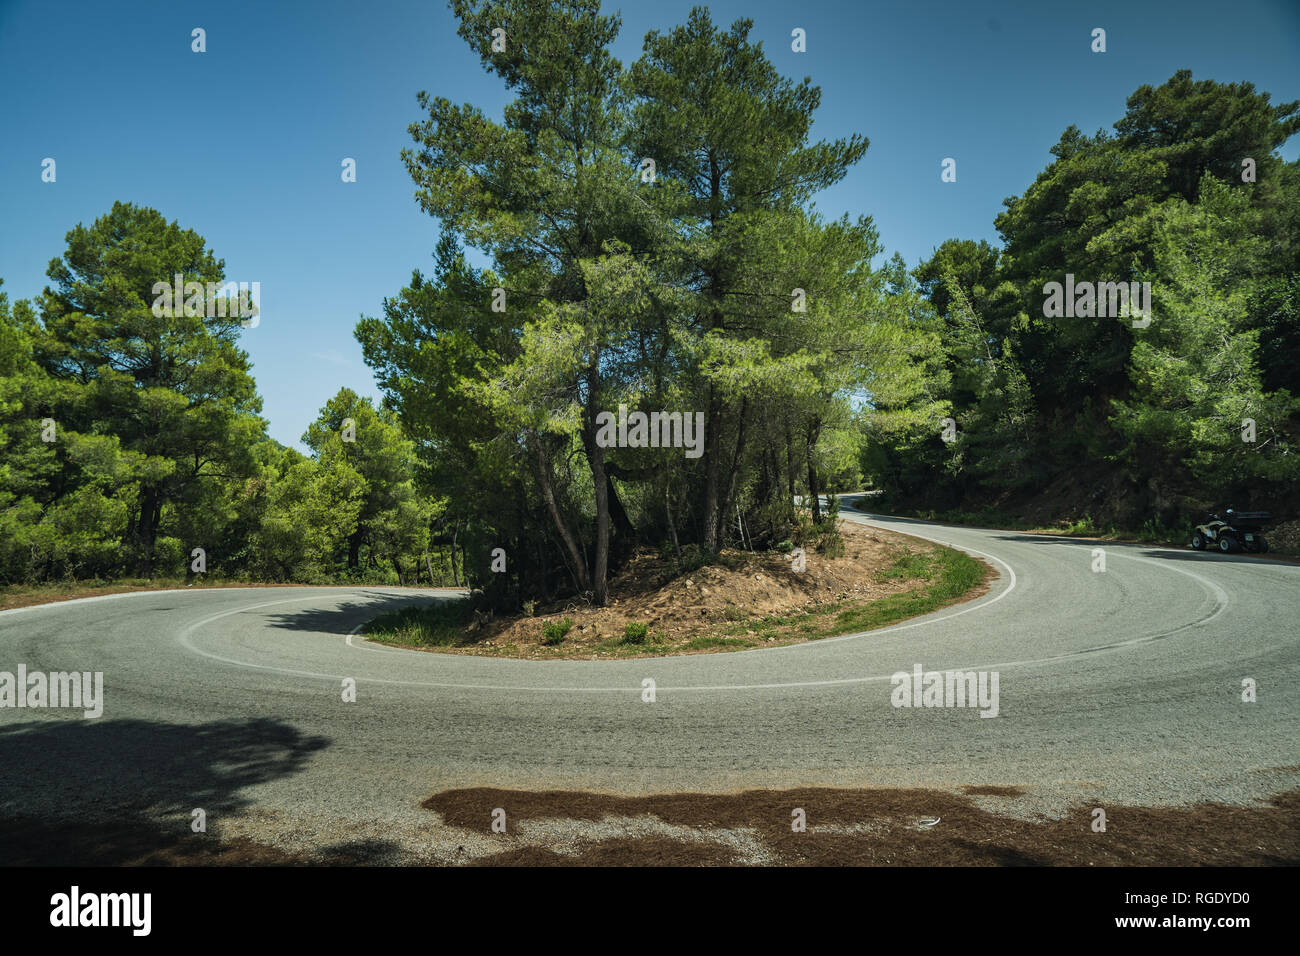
831,544
635,632
693,558
553,631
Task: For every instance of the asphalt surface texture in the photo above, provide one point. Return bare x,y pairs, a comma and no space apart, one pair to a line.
1122,685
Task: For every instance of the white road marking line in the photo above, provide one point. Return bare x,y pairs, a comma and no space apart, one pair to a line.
367,646
287,587
1221,605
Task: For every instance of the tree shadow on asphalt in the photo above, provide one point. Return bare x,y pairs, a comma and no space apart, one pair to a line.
846,510
1158,552
1216,557
80,792
344,618
1028,538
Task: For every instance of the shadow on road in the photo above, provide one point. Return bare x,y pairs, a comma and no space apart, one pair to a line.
111,792
1215,557
846,510
343,618
1162,553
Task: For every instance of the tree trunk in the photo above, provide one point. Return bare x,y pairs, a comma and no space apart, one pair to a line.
712,441
725,502
712,452
789,465
561,526
600,574
599,482
813,490
145,534
624,531
455,533
354,548
672,525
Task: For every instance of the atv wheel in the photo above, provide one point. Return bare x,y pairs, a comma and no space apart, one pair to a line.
1227,543
1198,542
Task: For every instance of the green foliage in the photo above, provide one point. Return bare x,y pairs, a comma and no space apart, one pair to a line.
635,632
438,624
821,535
908,566
1149,420
129,436
122,429
553,631
948,573
1194,373
709,642
670,293
692,559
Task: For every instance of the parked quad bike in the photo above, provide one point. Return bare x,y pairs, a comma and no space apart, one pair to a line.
1234,531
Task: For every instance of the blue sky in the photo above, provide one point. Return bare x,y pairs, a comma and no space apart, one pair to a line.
243,143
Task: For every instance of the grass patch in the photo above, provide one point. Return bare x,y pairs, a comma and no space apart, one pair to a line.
936,577
802,621
709,642
948,574
908,566
622,647
439,624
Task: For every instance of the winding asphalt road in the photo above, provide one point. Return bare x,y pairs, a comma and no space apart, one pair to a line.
1121,686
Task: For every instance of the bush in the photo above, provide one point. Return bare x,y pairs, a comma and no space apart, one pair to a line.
830,542
635,632
772,521
821,536
553,631
693,558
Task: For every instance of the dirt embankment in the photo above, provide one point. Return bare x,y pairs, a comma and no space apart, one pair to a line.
746,600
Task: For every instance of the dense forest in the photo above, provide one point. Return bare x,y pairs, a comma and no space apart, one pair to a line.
653,248
130,444
1140,422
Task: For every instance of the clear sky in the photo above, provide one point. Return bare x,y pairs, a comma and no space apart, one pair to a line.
243,143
